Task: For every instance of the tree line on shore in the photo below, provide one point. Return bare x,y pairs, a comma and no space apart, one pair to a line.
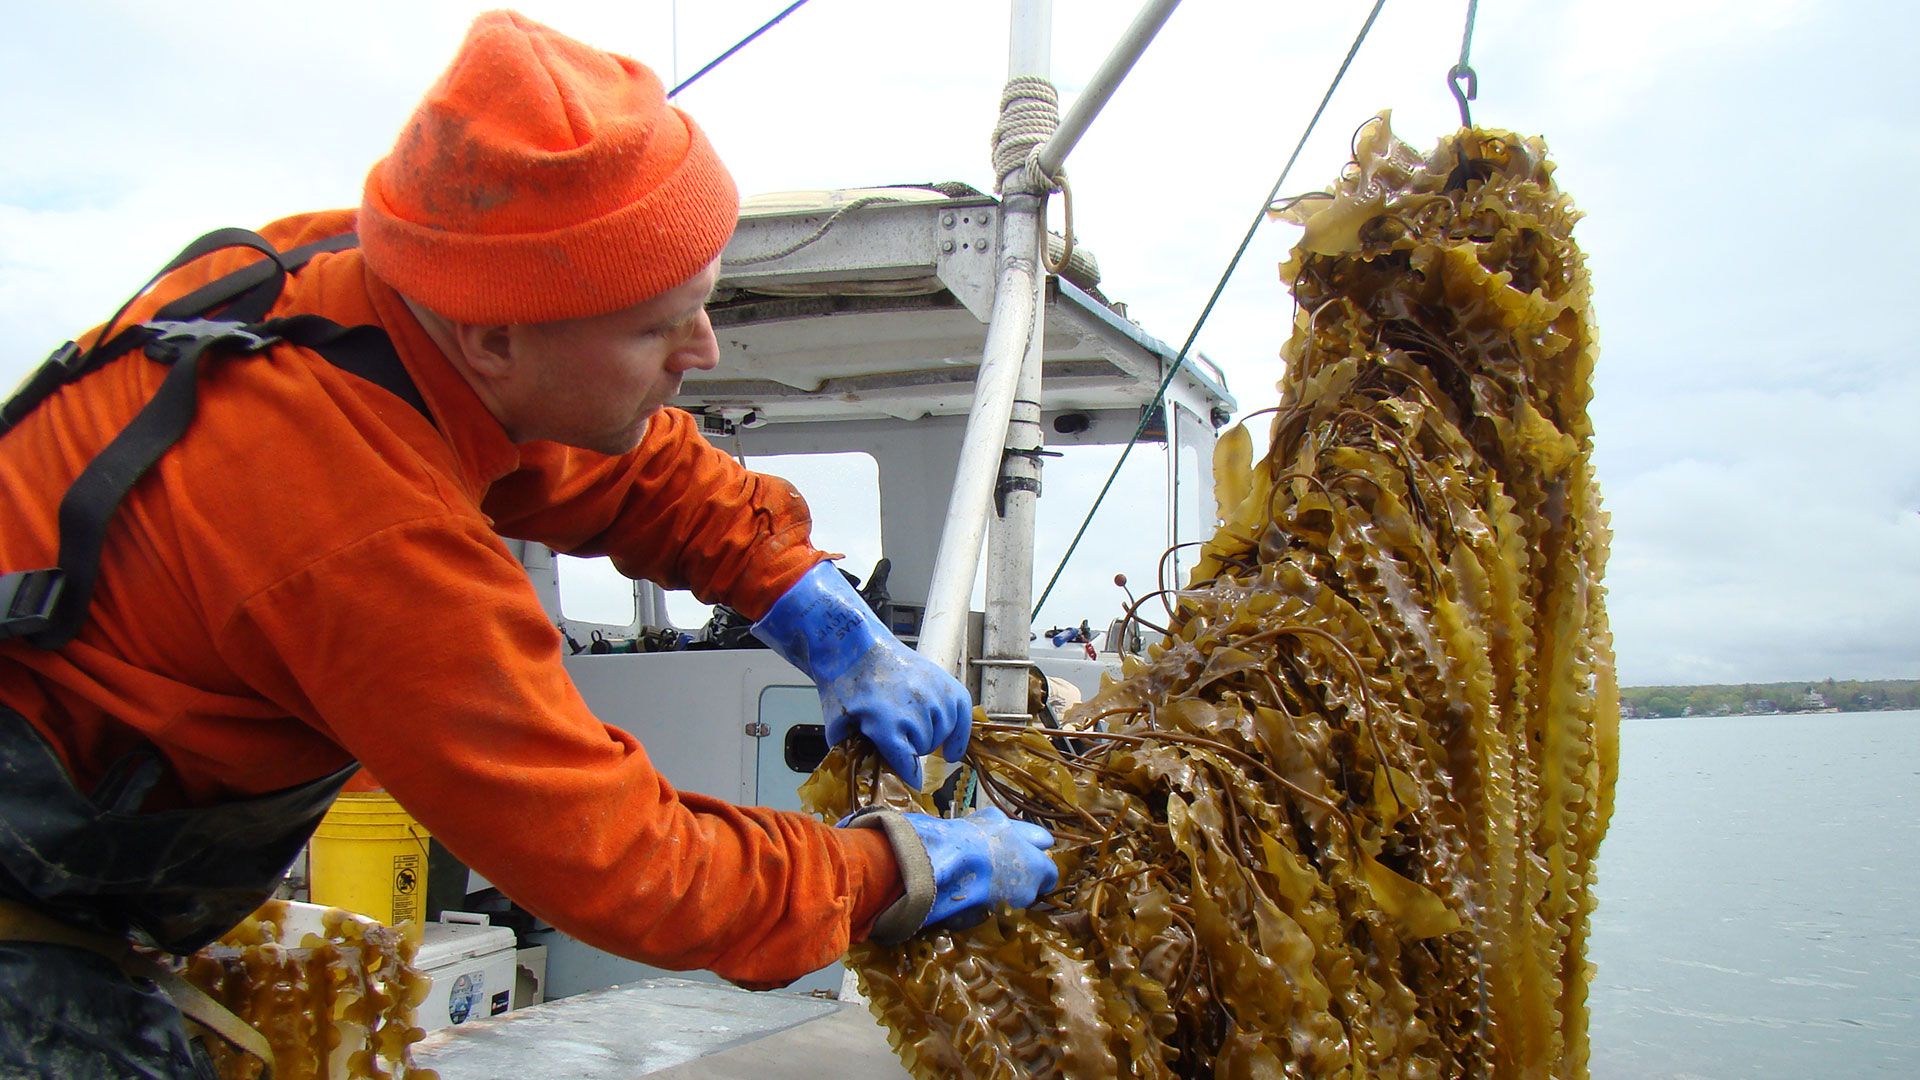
1748,699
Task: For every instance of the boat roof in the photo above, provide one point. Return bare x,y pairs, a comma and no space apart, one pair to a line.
873,303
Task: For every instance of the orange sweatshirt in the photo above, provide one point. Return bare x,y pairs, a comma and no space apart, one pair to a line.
314,574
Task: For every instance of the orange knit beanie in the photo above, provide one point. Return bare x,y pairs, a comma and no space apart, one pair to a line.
543,179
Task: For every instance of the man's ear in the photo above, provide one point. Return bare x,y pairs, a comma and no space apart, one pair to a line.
488,350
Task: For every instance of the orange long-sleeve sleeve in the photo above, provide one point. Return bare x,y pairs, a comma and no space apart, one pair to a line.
500,759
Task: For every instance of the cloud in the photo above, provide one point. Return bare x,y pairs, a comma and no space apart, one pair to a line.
1768,533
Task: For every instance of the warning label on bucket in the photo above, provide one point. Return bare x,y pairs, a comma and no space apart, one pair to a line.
406,887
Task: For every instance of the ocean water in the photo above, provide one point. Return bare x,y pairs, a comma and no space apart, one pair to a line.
1760,900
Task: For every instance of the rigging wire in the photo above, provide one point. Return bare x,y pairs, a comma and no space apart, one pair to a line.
1233,264
1463,70
737,46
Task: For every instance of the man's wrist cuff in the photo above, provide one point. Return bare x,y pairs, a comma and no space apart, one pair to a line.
905,916
821,625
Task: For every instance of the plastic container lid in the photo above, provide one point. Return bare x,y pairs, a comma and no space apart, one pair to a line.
449,943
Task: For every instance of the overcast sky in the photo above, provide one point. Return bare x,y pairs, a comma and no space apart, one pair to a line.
1745,168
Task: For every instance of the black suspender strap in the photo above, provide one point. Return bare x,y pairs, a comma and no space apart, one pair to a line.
365,351
64,365
108,345
246,295
208,298
89,504
47,607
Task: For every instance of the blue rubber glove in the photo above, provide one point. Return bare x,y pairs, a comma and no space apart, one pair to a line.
869,683
982,860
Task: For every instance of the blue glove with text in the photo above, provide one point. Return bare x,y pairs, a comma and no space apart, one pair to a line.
981,860
868,681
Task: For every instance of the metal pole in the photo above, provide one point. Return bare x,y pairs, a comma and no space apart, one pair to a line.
1006,647
1013,340
1013,330
1105,81
943,632
1030,38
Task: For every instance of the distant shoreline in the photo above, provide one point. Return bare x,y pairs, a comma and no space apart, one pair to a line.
1776,715
1771,699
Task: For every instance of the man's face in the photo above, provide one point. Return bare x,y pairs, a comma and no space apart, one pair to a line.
594,382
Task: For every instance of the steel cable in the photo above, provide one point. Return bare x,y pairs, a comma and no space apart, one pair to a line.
1220,287
737,46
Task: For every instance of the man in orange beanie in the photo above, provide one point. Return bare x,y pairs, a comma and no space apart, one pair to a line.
235,507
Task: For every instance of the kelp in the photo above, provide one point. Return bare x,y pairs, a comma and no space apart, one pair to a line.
338,1003
1342,821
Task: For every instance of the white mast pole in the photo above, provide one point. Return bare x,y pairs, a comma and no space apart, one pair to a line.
1005,649
1003,435
1030,39
1013,332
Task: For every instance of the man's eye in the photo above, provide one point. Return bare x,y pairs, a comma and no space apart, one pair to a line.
673,329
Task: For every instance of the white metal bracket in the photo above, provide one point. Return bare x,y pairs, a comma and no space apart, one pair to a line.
967,256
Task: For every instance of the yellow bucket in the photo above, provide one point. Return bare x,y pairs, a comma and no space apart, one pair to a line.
370,856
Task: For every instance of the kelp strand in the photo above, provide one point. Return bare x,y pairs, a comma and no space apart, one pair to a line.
1343,820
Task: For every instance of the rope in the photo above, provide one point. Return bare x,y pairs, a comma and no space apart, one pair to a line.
737,46
1463,70
815,236
1233,264
1029,115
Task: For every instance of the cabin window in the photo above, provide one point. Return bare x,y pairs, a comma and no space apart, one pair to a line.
1127,535
843,492
592,591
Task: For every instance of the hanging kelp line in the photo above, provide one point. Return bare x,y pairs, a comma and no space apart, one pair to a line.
1343,821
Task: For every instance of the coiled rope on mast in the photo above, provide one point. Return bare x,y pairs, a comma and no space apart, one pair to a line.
1029,115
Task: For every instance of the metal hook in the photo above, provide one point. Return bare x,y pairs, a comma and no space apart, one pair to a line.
1454,75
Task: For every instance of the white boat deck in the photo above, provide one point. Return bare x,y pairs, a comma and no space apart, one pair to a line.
661,1028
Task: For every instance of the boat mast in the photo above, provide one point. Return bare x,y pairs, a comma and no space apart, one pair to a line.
999,470
1005,652
1013,332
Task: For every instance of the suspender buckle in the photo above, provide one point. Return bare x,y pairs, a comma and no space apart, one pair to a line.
68,357
173,340
61,366
28,599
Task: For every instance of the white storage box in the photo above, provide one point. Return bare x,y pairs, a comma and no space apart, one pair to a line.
472,968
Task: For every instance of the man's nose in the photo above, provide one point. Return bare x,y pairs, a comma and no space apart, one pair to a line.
701,352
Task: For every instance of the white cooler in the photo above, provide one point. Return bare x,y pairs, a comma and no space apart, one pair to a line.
472,968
